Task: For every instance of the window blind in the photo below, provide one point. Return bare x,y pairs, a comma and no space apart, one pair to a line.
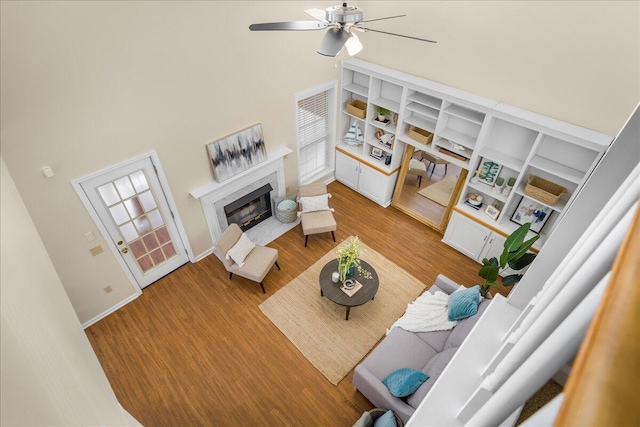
314,135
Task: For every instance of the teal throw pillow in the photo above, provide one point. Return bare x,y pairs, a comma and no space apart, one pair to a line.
404,381
386,420
463,304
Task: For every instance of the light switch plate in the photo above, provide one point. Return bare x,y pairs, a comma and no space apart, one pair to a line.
90,237
96,251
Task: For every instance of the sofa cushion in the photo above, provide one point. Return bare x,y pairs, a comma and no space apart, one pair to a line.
464,326
400,349
435,339
433,368
464,303
404,381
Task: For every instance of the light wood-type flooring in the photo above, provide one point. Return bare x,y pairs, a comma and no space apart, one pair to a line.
195,350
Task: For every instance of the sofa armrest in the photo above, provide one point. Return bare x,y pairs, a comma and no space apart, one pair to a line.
378,394
447,285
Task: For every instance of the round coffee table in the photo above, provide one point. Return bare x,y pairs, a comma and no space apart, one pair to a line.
334,293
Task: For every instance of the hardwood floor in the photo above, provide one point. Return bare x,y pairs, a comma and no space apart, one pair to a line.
194,349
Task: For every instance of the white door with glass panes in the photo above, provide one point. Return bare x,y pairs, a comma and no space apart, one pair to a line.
132,206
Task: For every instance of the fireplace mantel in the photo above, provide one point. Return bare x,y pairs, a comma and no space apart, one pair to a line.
213,195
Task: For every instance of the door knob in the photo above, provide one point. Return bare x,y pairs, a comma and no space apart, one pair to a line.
124,250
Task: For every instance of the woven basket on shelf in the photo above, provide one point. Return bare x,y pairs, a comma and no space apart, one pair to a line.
357,108
545,191
420,135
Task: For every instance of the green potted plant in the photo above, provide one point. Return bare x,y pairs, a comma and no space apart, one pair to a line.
514,256
382,113
348,259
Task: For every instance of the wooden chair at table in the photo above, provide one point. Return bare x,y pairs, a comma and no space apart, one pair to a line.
433,160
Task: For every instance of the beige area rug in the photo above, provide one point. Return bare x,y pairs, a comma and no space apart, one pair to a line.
441,191
317,326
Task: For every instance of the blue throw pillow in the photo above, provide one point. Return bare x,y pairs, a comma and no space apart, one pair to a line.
463,304
386,420
404,381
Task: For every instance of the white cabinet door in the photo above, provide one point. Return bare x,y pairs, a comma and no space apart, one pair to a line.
372,184
347,170
466,235
493,248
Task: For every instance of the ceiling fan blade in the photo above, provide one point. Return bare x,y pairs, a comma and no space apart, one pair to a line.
333,41
380,19
319,14
397,35
289,26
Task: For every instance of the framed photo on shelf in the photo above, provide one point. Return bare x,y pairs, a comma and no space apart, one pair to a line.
492,212
376,152
489,171
531,211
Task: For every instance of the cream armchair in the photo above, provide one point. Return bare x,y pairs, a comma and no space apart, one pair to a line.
317,221
256,264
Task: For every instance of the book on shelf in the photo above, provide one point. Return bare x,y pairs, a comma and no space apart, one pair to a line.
476,207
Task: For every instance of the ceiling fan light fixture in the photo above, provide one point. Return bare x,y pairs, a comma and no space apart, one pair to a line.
353,44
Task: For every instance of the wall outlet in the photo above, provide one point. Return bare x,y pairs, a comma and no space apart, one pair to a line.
90,237
96,250
107,289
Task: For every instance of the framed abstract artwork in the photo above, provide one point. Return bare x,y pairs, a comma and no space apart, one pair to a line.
531,211
489,172
236,153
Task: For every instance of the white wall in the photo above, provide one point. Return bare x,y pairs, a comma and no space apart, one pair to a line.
50,374
86,85
577,61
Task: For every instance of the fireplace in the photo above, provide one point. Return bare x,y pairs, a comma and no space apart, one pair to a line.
215,196
251,209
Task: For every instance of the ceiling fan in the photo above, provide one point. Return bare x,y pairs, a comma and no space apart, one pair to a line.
342,23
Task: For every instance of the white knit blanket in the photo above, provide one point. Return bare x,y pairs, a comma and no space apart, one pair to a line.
429,312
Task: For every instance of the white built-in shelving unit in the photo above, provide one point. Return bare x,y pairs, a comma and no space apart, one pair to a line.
468,130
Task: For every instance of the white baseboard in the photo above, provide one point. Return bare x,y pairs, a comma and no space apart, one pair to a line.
101,316
204,254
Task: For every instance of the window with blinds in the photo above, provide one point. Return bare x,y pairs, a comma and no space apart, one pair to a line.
315,133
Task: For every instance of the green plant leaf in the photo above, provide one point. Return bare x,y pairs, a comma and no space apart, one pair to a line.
512,279
514,256
521,263
488,273
504,258
514,241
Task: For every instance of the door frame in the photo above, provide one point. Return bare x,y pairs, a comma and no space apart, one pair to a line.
164,184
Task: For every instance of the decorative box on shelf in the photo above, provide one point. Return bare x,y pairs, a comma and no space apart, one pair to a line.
420,135
357,108
451,153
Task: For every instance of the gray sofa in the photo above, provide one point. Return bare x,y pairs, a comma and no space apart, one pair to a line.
428,352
